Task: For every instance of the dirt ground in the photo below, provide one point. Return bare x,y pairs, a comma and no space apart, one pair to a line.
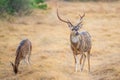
52,58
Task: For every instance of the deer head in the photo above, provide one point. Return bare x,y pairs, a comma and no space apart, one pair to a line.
15,68
74,28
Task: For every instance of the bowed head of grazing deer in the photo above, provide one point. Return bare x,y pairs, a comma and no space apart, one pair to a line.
15,67
80,41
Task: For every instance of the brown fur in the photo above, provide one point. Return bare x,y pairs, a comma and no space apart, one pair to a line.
24,49
80,41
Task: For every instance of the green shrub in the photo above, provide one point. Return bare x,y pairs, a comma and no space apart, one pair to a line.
39,1
14,6
20,6
42,6
39,4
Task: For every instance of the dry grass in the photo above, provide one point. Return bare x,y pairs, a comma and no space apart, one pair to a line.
52,57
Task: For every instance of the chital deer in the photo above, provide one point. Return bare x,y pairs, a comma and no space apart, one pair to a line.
80,42
23,52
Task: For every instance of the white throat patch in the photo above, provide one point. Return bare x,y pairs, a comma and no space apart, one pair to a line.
75,39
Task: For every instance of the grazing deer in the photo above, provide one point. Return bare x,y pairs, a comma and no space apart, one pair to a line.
23,52
80,42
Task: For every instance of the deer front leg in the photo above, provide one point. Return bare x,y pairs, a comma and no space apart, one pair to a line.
27,59
81,59
76,62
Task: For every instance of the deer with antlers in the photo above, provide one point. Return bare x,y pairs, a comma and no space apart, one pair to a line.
23,52
80,42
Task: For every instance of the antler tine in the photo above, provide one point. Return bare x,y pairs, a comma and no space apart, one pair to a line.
79,23
70,22
81,17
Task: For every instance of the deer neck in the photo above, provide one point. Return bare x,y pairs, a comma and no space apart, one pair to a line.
17,60
74,39
16,63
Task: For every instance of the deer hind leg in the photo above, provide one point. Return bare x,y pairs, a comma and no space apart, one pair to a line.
88,56
84,58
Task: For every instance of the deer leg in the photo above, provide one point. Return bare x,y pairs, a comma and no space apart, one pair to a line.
26,59
76,62
83,61
88,56
29,54
29,57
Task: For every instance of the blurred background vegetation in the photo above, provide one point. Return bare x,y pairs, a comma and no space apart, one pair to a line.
92,0
19,7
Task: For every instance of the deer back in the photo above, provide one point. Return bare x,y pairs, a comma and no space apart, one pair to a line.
24,49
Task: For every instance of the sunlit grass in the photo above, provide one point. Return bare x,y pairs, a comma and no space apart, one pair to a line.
52,58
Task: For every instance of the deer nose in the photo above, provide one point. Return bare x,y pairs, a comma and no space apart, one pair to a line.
77,33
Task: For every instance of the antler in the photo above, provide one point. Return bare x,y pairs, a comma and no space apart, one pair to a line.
68,22
81,17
